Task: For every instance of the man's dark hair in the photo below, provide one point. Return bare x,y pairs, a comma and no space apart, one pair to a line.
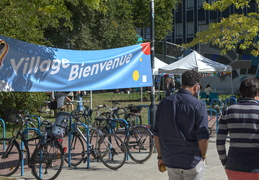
190,78
249,87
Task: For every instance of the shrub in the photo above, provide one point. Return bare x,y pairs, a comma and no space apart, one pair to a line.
20,101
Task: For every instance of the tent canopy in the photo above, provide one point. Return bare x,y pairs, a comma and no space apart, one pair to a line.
158,64
195,61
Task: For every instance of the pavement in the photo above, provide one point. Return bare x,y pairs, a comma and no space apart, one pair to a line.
131,170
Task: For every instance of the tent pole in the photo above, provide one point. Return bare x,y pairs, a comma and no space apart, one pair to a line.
141,94
91,99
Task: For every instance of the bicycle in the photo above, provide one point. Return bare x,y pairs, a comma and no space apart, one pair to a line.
107,148
138,139
46,161
84,116
130,113
30,121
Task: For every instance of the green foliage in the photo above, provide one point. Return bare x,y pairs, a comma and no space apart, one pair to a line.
94,29
163,15
26,20
232,30
20,101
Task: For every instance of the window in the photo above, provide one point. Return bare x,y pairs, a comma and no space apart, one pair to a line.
200,3
190,28
179,29
190,4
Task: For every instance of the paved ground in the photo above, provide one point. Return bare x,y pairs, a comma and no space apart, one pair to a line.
131,170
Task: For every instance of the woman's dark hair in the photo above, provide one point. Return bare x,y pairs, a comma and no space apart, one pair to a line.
190,78
207,85
249,87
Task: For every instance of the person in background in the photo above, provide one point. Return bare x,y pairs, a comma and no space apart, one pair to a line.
240,122
208,90
170,84
61,98
180,131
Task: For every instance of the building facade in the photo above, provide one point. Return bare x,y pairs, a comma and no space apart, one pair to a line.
190,17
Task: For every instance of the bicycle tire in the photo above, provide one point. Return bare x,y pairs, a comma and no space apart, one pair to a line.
93,141
47,160
140,144
10,164
77,150
134,120
112,151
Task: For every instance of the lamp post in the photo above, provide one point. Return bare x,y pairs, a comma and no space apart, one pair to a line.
152,53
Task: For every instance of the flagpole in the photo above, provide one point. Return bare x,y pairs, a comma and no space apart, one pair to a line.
152,52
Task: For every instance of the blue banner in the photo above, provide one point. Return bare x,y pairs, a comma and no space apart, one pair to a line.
29,67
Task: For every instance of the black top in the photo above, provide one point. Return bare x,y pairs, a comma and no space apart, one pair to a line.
181,121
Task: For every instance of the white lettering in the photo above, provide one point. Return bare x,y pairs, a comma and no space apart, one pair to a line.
16,67
102,65
128,58
73,73
95,66
55,66
87,71
25,67
116,63
31,65
37,65
108,66
45,66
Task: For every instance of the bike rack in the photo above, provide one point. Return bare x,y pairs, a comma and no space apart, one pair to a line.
146,106
73,129
4,131
25,131
217,117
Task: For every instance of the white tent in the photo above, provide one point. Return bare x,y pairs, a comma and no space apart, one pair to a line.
195,61
158,64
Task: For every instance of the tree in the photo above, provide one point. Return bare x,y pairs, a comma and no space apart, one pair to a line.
237,28
27,20
12,102
94,29
163,15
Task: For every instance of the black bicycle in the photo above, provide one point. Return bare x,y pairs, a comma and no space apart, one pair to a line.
107,148
46,160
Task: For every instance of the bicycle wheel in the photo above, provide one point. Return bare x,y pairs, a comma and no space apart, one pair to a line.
112,151
82,119
47,160
77,149
140,144
94,139
10,157
134,120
